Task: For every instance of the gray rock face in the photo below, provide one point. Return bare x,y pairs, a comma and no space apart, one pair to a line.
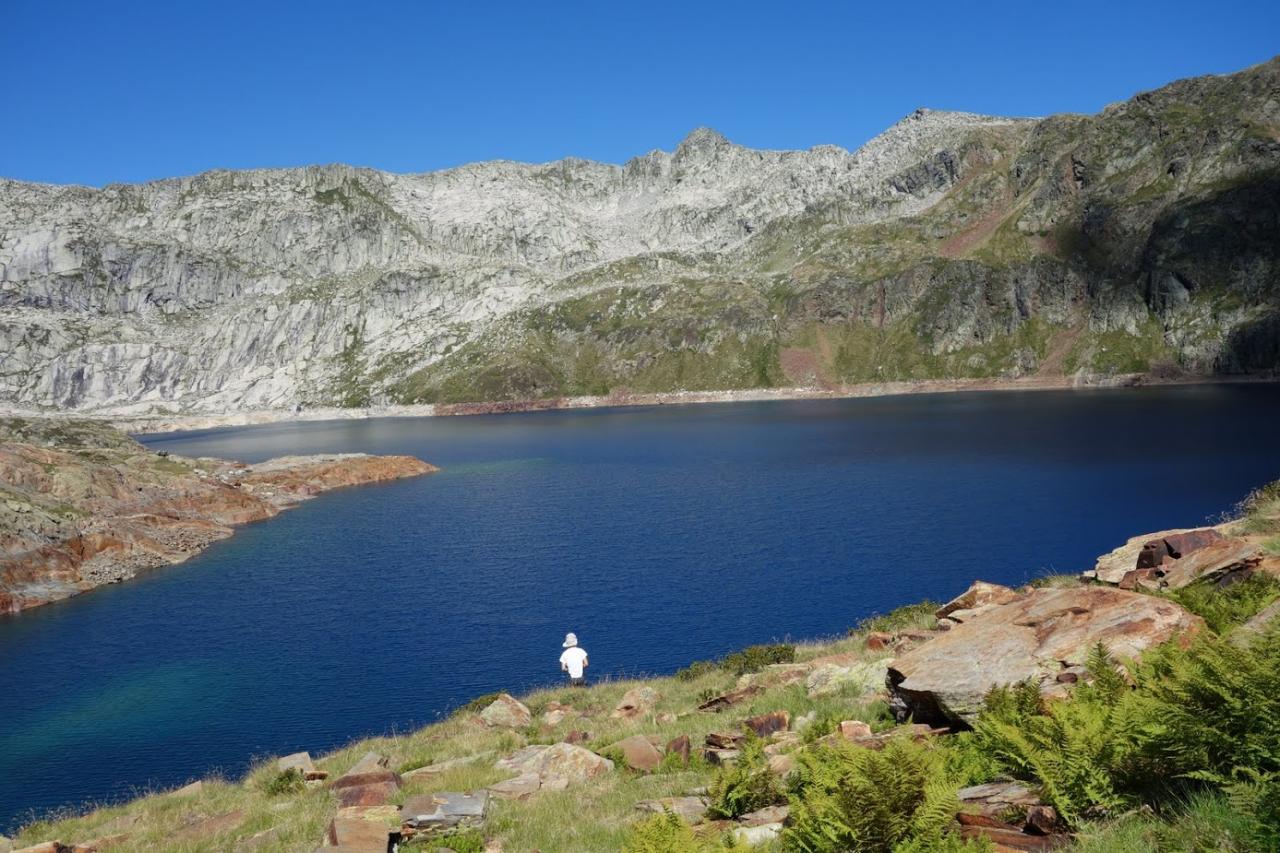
950,231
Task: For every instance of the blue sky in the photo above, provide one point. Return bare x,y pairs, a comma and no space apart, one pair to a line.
99,92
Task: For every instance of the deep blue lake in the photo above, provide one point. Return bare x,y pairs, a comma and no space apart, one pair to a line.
659,535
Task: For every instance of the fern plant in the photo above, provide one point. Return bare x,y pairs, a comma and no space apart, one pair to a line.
746,785
1072,749
849,798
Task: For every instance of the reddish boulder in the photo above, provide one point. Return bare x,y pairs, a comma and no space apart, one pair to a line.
680,746
1036,636
766,724
639,754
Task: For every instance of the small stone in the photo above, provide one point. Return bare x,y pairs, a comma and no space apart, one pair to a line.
724,740
635,702
356,834
720,756
300,761
768,814
690,809
679,746
576,737
1042,820
189,790
666,718
754,836
507,712
520,788
766,724
854,730
639,754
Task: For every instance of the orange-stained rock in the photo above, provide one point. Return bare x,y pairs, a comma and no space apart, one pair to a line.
979,596
1035,636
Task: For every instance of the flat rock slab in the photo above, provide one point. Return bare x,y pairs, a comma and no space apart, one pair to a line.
1036,636
444,766
689,809
209,827
445,810
561,760
520,788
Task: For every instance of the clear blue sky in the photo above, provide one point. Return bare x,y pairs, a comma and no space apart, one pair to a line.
98,92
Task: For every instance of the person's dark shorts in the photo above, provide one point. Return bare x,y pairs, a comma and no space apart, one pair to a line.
578,682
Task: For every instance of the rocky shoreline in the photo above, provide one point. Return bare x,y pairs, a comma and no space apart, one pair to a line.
147,424
82,505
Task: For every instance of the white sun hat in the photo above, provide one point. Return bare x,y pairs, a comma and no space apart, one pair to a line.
570,640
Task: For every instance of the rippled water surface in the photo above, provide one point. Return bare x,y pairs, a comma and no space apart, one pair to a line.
659,535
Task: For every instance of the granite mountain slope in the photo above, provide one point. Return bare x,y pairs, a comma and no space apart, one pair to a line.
1145,237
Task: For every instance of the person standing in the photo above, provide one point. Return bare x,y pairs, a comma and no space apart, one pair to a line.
573,660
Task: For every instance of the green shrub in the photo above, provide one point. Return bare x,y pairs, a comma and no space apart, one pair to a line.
1210,709
476,705
459,841
286,782
1223,608
1256,797
1205,821
750,659
745,785
756,658
847,798
696,670
1260,510
918,616
667,833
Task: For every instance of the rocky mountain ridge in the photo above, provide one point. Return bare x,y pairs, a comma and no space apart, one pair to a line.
952,245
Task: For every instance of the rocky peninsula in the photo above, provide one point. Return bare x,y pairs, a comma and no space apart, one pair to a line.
82,504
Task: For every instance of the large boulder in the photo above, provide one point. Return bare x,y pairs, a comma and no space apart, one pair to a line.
639,753
558,761
507,712
1114,565
1038,635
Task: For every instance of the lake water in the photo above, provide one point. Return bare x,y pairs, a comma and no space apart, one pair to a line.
659,535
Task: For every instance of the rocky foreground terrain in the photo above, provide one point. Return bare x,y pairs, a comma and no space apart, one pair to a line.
82,505
1135,708
1142,239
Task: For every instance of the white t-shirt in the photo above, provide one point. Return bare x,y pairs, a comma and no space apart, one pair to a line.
573,660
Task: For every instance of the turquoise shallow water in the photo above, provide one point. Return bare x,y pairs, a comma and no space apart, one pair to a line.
659,535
